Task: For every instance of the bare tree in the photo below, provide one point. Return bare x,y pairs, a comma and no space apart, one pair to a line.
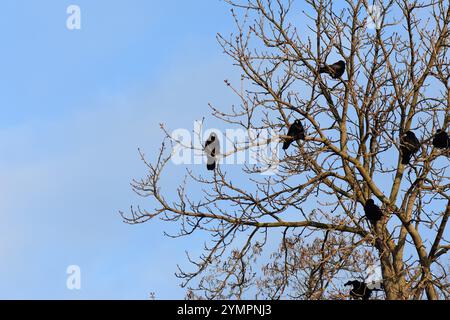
396,80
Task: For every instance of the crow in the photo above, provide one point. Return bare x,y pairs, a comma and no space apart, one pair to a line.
212,149
360,290
335,70
295,132
409,144
372,211
441,140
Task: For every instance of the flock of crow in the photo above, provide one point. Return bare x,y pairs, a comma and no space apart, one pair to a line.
409,145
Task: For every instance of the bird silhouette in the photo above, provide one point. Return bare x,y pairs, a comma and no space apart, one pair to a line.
359,290
335,70
409,144
441,140
295,132
212,148
372,211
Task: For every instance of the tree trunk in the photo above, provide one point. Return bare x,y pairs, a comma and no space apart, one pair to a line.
394,284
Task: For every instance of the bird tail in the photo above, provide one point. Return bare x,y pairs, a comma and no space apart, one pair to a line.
286,144
211,166
406,158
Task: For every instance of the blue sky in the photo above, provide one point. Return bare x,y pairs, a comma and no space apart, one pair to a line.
75,106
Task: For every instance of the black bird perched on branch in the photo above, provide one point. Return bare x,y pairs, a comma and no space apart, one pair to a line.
441,140
372,211
295,132
212,149
360,290
409,144
335,70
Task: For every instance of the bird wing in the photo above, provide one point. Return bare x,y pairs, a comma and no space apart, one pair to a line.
416,142
301,131
208,142
410,143
212,148
291,130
